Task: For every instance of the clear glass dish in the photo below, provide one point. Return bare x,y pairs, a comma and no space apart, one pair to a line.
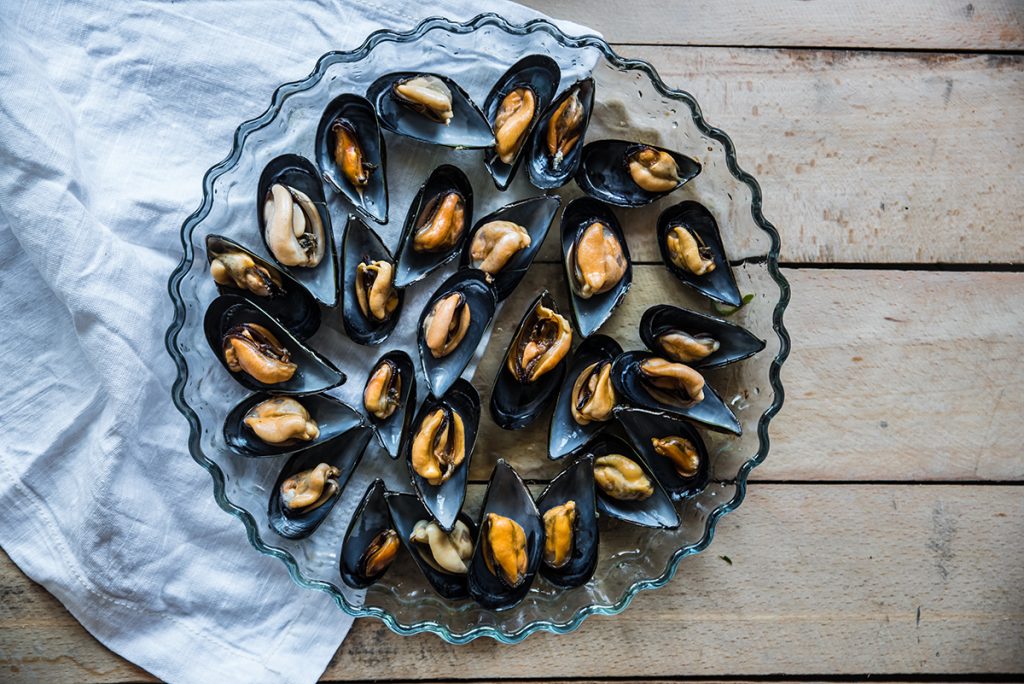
633,103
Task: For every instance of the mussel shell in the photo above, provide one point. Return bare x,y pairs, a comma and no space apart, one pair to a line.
406,511
719,284
542,75
299,173
370,518
362,242
565,435
296,308
344,453
712,411
590,314
413,265
332,417
508,496
514,404
575,483
604,173
372,203
642,425
542,173
468,128
393,429
443,372
444,501
315,373
535,215
657,510
736,343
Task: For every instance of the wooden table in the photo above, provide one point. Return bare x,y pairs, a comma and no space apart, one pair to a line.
888,137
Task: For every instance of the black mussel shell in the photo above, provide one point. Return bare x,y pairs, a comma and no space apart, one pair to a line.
541,74
332,417
736,343
642,426
515,404
393,429
444,501
657,510
406,511
604,173
719,284
413,265
355,112
535,215
507,496
299,173
543,173
361,243
565,435
468,128
712,411
575,483
314,374
344,453
590,314
370,518
293,305
443,372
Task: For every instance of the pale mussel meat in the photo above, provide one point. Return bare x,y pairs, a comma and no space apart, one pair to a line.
671,447
696,339
371,541
389,398
266,425
628,174
626,486
352,155
692,250
371,302
586,398
557,142
568,507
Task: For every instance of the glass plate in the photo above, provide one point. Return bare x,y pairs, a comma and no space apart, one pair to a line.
633,103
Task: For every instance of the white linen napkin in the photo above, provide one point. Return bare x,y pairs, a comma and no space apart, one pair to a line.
110,113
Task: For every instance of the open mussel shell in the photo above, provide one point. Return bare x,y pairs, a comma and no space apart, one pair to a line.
604,173
412,264
734,343
516,404
442,372
719,284
444,501
291,303
356,114
590,314
565,435
468,128
535,215
642,426
370,519
506,496
544,173
657,510
393,429
629,384
299,173
314,373
344,453
361,244
540,74
575,483
406,511
332,417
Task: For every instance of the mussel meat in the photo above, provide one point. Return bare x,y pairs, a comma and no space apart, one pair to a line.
446,324
672,383
444,551
559,530
622,478
439,445
653,170
379,554
237,269
565,128
281,420
495,243
680,451
308,490
293,229
252,348
348,154
593,396
383,391
375,289
512,123
504,549
688,251
596,261
442,222
540,346
683,347
428,95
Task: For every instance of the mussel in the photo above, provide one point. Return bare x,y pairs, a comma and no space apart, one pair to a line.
626,487
671,447
568,507
388,397
266,425
555,149
586,398
696,339
629,174
371,541
692,250
352,157
371,302
252,349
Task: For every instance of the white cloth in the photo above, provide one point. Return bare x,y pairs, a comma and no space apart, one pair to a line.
110,113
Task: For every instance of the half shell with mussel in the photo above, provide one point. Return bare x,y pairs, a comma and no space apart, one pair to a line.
267,425
389,398
692,250
534,365
626,486
371,541
513,108
671,447
568,508
352,157
557,143
696,339
371,302
261,354
587,397
511,542
629,174
296,226
438,448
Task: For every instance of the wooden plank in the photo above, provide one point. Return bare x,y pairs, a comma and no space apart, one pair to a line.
894,375
913,24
